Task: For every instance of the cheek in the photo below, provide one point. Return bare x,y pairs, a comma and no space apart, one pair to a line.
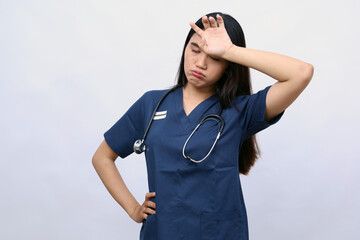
219,70
187,60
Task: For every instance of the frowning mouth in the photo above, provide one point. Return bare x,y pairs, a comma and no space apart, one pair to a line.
197,74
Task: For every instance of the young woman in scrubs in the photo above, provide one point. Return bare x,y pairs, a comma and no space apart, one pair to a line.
188,200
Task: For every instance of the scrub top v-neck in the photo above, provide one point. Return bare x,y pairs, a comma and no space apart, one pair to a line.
194,117
193,200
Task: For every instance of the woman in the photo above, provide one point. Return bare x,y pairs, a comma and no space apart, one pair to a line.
194,186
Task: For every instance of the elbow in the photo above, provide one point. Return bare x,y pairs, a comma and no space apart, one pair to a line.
95,161
305,74
99,161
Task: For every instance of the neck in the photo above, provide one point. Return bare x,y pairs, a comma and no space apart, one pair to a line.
192,92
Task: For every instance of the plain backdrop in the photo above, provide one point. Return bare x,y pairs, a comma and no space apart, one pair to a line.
70,69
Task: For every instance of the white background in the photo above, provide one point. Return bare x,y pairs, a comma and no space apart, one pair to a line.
70,69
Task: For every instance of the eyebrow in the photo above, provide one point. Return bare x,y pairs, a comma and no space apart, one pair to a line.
195,44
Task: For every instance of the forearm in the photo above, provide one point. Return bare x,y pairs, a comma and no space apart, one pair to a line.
277,66
114,183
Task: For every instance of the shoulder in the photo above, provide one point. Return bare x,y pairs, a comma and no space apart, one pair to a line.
144,105
150,98
249,101
154,93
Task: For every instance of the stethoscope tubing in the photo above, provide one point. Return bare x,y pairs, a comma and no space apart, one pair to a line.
139,145
154,112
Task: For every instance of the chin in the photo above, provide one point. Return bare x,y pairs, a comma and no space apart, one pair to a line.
196,82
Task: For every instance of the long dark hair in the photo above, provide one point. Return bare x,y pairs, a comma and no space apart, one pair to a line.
234,82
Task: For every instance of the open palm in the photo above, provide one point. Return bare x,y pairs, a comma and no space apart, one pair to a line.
215,41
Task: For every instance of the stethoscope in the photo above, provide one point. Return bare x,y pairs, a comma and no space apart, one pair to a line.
140,146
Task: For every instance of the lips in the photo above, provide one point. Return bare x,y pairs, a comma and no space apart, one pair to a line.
197,74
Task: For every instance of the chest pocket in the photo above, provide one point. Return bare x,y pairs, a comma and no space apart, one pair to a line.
221,225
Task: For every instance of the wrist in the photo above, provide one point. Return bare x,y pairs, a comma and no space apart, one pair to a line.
228,51
132,210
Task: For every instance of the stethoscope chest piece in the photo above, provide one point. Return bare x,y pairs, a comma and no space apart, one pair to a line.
139,146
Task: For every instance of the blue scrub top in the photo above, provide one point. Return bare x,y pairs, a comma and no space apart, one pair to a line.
193,200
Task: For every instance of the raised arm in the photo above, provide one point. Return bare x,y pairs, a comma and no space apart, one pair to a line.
292,74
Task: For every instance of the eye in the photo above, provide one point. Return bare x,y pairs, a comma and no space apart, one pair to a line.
215,59
195,51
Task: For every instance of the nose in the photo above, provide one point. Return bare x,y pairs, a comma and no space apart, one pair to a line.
201,60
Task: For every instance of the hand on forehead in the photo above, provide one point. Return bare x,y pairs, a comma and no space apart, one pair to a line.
208,23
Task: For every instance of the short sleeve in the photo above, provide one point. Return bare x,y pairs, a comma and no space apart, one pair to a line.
255,113
122,135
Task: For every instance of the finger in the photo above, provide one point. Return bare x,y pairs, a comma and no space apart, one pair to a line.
151,204
149,195
149,211
196,28
145,216
220,21
205,22
213,22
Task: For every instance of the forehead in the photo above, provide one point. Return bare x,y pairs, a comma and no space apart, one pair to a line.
195,38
